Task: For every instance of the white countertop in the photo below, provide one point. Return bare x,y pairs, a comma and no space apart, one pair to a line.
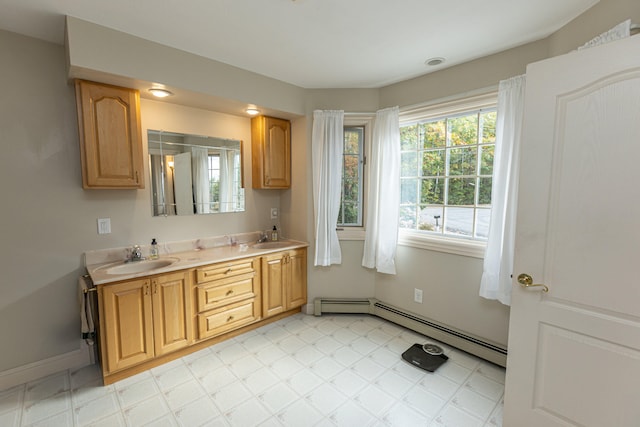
186,259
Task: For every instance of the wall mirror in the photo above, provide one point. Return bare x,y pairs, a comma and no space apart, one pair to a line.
193,174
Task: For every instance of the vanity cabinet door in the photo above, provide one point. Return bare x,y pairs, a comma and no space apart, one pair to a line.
110,136
171,301
284,281
296,291
127,324
270,152
273,284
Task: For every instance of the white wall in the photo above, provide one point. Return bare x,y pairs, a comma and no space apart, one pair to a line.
49,221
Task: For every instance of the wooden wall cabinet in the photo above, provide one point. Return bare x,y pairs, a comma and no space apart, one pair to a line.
270,152
284,281
144,318
110,136
227,296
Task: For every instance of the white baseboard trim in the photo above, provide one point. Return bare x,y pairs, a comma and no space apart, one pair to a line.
308,308
22,374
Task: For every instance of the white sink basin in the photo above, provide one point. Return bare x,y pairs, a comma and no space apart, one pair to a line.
139,266
271,245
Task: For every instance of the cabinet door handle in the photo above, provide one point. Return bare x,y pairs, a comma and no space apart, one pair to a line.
146,289
229,292
229,319
229,270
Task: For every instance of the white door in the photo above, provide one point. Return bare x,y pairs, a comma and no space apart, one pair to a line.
574,352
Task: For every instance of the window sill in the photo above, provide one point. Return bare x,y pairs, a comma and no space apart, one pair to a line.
469,248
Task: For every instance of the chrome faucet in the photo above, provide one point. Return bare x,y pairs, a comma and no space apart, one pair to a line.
136,254
263,238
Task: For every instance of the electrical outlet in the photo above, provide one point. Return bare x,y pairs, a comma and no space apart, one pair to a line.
274,213
417,295
104,225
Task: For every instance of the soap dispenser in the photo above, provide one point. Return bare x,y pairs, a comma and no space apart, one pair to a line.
154,250
274,234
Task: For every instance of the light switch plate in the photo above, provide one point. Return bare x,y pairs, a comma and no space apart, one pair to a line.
274,213
104,225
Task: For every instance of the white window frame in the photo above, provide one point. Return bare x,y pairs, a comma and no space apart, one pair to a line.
435,242
366,121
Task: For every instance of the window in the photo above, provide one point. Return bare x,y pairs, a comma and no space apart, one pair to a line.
446,173
350,214
230,197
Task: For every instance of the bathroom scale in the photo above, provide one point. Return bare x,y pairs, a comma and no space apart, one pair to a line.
425,356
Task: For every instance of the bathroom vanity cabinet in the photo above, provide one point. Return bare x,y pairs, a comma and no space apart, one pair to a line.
227,296
147,321
270,152
144,318
284,277
110,136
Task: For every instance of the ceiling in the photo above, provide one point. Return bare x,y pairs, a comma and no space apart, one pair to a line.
313,43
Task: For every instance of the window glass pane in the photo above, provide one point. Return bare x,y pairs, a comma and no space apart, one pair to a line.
432,191
434,134
482,223
458,221
488,125
463,130
433,163
409,137
431,218
350,212
484,192
408,190
407,218
352,137
461,191
486,159
463,161
409,164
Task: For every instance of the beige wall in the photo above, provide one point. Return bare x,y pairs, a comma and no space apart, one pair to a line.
48,221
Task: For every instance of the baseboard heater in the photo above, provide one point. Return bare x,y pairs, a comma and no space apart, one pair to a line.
438,331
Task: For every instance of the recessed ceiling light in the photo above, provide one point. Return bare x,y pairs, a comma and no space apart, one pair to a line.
432,62
252,111
159,92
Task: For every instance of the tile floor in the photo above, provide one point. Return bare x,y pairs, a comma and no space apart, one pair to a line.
334,370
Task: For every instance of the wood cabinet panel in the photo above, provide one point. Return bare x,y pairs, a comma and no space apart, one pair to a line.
127,324
273,284
224,270
284,281
297,286
270,152
225,291
110,136
171,302
227,318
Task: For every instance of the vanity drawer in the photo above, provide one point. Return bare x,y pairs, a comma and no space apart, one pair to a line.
216,322
224,270
222,292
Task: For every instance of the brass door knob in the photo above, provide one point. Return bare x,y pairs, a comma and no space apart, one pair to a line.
526,281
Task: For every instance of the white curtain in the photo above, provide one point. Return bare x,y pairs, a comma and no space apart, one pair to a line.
327,142
498,260
620,31
383,201
200,175
227,158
